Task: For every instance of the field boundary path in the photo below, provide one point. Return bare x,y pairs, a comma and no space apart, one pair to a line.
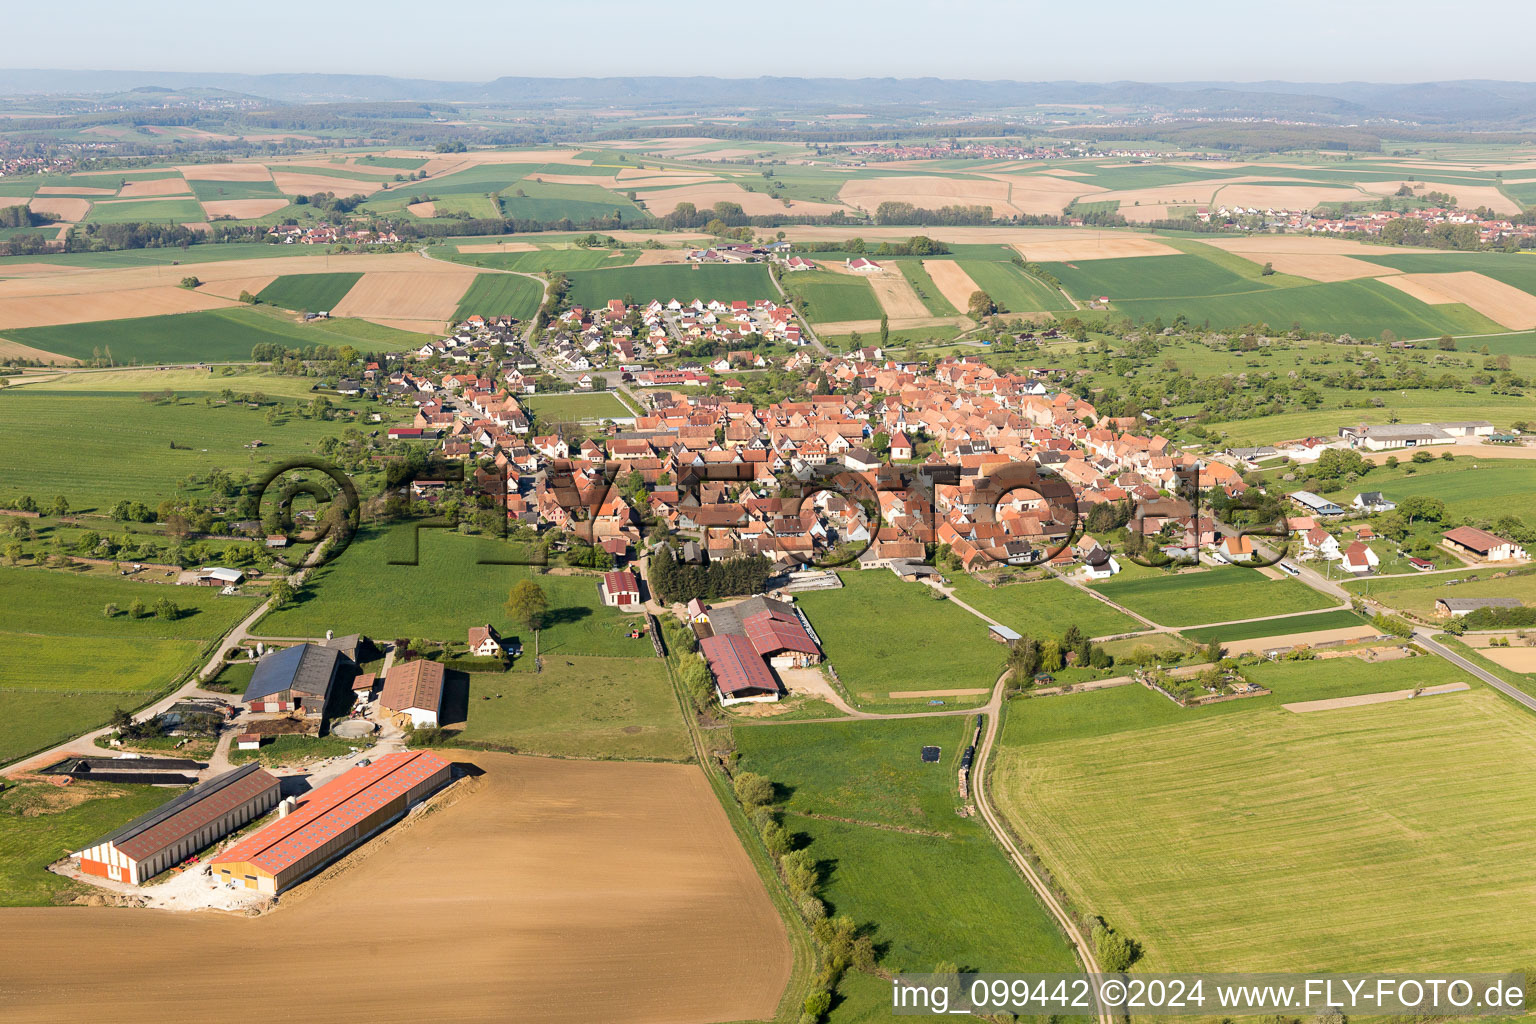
1064,920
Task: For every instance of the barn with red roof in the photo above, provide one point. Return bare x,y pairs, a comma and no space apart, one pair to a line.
331,820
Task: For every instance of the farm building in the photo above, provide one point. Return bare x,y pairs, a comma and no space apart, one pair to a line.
413,693
782,639
620,589
1316,504
740,674
298,678
175,830
1456,607
1482,544
215,576
331,820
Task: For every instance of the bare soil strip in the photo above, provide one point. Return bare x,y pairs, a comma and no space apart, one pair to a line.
232,287
45,310
498,247
1320,636
1516,659
243,209
1319,266
1365,699
866,326
428,209
707,195
226,172
568,891
406,296
1500,302
1091,245
952,281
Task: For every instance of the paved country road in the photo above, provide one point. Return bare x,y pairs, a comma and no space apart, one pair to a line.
1426,639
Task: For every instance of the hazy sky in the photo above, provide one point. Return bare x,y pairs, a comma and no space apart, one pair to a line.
1027,40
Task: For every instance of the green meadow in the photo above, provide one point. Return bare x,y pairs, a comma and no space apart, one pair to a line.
123,211
825,297
501,295
1214,595
685,282
455,583
1246,837
1013,289
931,886
308,293
215,335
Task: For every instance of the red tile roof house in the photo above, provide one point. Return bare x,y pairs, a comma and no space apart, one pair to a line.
741,677
1359,559
620,589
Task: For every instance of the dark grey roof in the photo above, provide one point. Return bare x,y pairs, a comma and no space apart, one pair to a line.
729,620
197,793
1460,604
306,668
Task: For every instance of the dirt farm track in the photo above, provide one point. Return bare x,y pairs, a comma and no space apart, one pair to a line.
548,891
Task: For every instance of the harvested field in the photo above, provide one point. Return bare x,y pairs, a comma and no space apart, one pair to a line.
952,281
928,193
16,350
1516,659
707,195
657,257
1319,266
1477,451
60,207
865,326
1043,193
1285,197
1467,196
46,310
1366,699
1091,245
892,290
231,288
295,183
1321,636
498,247
407,296
1500,302
422,209
243,209
589,890
72,190
154,188
14,200
226,172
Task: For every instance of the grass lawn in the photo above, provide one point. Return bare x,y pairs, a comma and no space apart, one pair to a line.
1419,593
39,823
449,591
684,282
1042,607
183,381
577,406
215,335
1013,289
541,260
612,708
88,465
1388,837
882,634
159,211
1216,595
308,293
501,295
291,749
942,890
66,667
1477,488
1254,630
825,297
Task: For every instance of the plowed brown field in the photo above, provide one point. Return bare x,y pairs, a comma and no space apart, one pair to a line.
549,891
408,296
